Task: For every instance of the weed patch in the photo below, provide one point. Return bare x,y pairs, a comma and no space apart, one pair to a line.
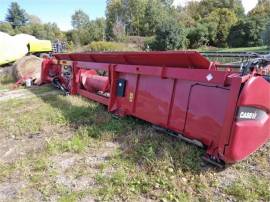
250,189
88,153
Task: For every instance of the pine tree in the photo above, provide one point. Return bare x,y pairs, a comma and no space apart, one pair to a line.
16,16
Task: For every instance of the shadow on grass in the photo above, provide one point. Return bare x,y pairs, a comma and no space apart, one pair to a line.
140,144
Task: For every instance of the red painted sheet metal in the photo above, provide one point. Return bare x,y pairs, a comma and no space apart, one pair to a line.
93,82
206,114
182,59
256,93
200,75
230,113
48,70
93,65
177,91
248,135
93,96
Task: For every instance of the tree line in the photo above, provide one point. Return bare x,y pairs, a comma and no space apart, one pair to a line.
156,24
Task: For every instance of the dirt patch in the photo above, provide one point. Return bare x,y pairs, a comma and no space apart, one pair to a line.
15,148
17,189
88,199
74,172
77,172
10,190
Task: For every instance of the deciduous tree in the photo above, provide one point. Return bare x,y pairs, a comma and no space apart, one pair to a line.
79,19
170,35
247,33
261,10
208,6
223,19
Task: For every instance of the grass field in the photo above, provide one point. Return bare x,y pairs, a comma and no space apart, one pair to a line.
56,148
247,49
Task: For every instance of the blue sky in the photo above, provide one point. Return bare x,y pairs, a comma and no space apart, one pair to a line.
60,11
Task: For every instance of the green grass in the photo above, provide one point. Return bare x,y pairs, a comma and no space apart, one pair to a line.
250,189
246,49
147,164
6,82
70,197
6,170
75,144
128,182
232,59
107,47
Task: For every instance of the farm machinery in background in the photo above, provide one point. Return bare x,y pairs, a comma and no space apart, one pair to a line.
16,47
22,55
223,108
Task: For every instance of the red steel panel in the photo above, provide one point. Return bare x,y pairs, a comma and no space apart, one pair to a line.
179,105
152,100
206,114
93,96
256,93
93,65
128,101
200,75
248,135
182,59
180,91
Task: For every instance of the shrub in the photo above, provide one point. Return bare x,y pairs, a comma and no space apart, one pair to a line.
7,28
198,36
110,46
149,42
247,33
137,40
170,35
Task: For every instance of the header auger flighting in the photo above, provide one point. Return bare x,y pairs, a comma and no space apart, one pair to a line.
212,105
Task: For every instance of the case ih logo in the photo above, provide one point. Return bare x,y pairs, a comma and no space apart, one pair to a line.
251,113
248,115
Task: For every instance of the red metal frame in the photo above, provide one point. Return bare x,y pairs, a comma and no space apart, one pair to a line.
179,91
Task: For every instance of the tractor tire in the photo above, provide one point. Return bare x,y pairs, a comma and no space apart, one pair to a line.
28,67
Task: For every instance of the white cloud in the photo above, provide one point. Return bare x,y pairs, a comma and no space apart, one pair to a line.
248,4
